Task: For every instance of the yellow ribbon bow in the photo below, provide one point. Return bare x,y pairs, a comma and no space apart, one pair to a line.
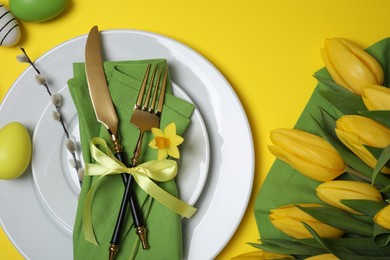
143,174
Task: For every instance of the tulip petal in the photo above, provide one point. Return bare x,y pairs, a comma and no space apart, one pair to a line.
334,191
289,220
376,97
382,218
371,63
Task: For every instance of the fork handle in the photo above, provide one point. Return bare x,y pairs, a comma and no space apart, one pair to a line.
137,151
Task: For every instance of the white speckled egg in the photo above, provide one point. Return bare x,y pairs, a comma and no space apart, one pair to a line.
9,27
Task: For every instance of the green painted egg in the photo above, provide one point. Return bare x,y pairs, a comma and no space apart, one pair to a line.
37,10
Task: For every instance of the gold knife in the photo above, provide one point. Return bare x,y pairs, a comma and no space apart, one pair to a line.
106,114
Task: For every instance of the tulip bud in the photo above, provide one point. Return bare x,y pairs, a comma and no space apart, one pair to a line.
261,254
307,153
323,257
382,218
376,97
288,219
334,191
356,131
350,66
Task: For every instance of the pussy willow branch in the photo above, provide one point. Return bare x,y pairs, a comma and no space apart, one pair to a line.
60,118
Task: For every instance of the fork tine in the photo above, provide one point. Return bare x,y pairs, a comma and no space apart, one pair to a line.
143,86
156,87
147,98
162,93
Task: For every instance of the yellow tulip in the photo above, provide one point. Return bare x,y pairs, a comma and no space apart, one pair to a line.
323,257
288,219
260,254
351,66
334,191
307,153
356,131
376,97
382,218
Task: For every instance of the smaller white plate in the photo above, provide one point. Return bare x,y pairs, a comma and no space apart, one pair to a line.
56,180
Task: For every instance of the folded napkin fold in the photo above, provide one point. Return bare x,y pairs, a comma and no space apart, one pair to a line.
164,226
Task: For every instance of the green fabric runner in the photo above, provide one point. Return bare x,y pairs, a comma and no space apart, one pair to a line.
164,226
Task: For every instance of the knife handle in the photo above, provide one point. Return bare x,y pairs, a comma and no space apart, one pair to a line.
128,196
135,210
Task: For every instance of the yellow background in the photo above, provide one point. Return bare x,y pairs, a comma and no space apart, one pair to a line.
267,50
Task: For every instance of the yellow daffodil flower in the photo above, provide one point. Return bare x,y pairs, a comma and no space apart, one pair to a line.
356,131
334,191
166,142
288,219
309,154
376,97
382,218
351,66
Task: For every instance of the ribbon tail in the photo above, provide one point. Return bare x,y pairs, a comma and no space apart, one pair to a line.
88,231
169,201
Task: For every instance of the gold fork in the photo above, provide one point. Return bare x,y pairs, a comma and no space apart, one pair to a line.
145,117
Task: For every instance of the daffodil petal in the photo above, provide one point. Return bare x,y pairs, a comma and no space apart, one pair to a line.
170,130
176,140
152,144
162,154
157,132
174,152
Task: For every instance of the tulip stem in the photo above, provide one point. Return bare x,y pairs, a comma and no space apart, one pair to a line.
357,174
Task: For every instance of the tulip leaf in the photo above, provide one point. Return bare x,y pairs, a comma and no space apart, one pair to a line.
380,116
285,246
346,102
329,82
385,190
367,207
352,249
381,235
383,157
339,219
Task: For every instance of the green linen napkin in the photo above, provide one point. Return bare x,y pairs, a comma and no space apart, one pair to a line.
164,226
284,185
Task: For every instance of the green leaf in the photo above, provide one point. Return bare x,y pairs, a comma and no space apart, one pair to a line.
380,116
346,102
385,190
289,247
381,235
349,250
330,84
339,219
383,159
367,207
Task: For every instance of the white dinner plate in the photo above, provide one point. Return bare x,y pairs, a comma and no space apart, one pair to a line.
38,219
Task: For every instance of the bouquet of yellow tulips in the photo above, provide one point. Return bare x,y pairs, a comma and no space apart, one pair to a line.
327,195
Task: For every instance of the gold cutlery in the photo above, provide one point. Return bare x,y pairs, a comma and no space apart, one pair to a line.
146,115
106,114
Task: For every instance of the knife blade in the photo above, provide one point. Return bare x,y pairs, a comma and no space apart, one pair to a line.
106,115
